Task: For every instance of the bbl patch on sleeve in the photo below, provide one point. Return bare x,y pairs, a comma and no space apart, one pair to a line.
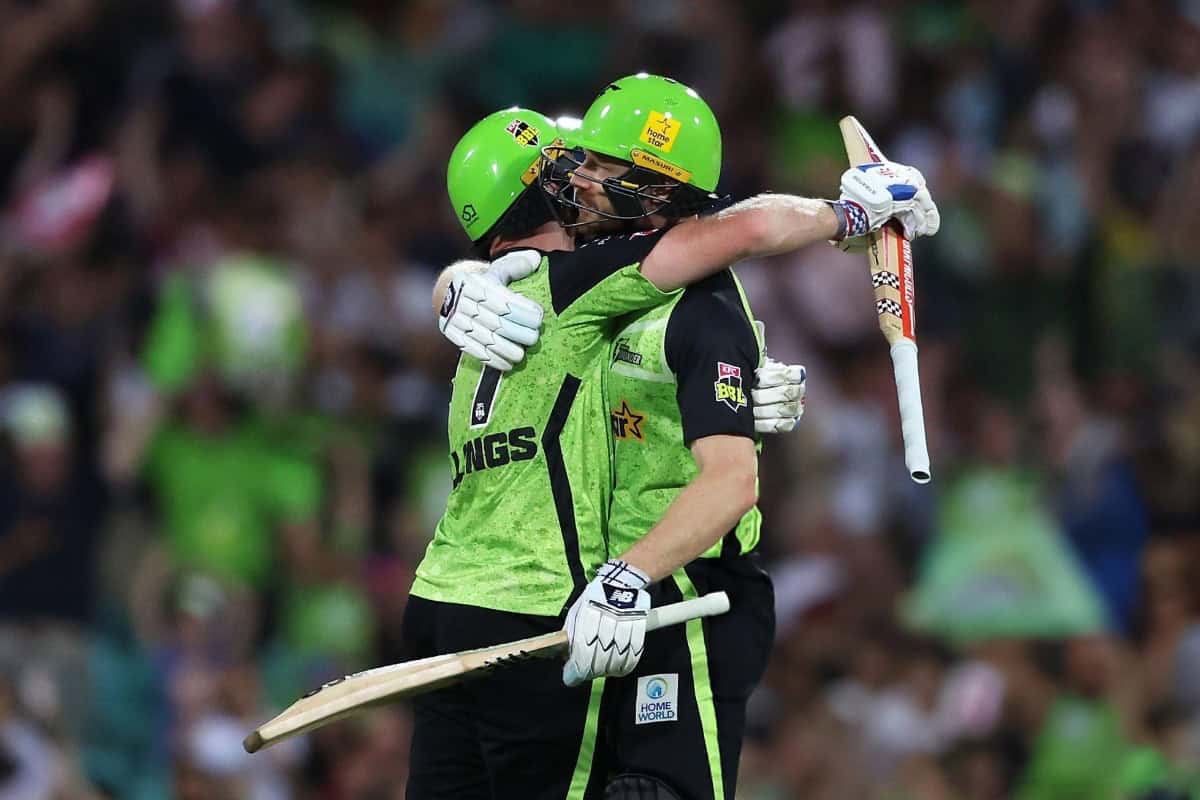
657,699
728,386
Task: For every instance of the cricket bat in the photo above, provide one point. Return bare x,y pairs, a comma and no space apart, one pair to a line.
353,693
890,258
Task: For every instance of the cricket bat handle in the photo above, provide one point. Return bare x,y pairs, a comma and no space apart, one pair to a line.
912,416
709,605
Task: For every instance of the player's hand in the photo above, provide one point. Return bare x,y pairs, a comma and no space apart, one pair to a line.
778,391
874,193
607,625
778,394
486,319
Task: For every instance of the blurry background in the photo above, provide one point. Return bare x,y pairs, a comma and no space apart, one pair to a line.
222,391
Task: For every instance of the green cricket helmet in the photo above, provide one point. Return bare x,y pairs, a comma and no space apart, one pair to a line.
667,133
493,167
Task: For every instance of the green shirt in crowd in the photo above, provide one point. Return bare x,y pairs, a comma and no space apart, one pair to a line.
223,497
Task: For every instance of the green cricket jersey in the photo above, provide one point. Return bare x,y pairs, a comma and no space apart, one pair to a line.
679,372
526,521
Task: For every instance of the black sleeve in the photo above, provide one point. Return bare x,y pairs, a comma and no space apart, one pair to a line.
573,274
712,350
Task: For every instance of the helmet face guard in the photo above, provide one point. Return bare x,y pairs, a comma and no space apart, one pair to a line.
635,194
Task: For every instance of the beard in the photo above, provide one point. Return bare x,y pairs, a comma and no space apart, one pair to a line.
592,226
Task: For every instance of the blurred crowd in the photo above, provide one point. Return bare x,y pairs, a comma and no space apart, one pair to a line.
222,392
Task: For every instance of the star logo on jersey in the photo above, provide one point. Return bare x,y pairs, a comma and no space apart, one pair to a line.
627,423
728,386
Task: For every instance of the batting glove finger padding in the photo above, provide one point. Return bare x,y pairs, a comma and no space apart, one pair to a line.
783,410
472,347
778,394
515,265
776,425
606,626
487,320
923,219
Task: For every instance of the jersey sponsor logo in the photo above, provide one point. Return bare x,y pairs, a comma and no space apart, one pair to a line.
657,699
623,353
627,423
728,386
619,596
525,134
661,130
492,451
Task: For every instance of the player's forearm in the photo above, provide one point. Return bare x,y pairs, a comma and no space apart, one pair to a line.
779,223
761,226
707,508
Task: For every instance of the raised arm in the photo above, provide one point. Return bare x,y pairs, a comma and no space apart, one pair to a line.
778,223
761,226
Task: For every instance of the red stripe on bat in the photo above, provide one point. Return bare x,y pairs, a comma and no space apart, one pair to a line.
908,291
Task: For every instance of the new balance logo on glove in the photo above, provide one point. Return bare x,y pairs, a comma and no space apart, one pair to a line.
619,597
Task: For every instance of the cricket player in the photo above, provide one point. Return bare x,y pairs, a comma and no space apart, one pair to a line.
526,521
686,464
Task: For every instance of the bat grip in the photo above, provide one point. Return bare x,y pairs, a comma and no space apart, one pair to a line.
912,417
709,605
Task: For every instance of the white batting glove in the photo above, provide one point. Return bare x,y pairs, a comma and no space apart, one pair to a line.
778,394
778,391
486,319
607,625
874,193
